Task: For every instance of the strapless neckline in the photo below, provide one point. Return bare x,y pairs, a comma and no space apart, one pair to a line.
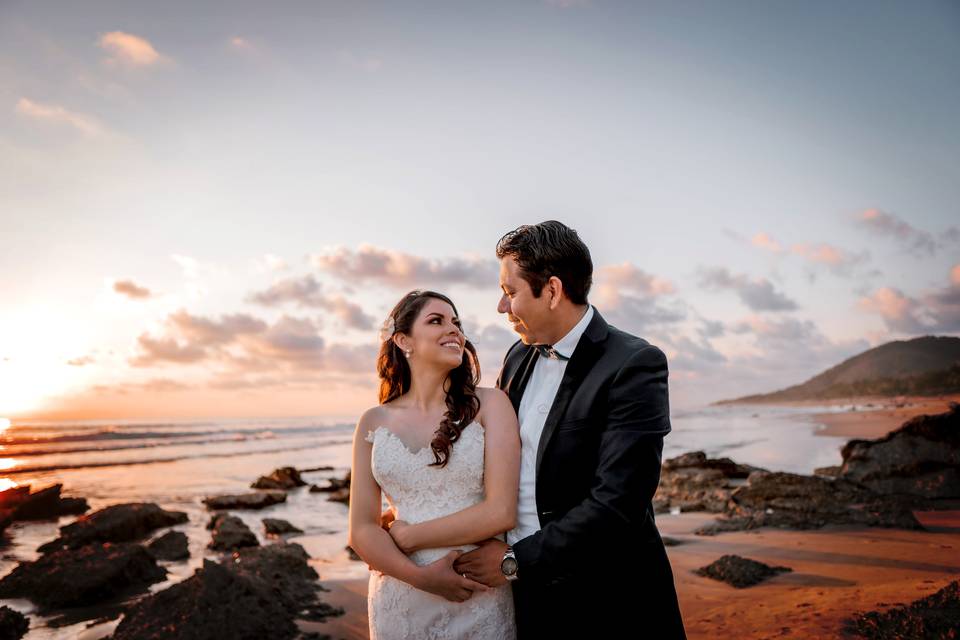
421,449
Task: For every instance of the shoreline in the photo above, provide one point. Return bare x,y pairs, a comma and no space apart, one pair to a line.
872,418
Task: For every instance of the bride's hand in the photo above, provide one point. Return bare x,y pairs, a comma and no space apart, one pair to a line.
400,532
440,579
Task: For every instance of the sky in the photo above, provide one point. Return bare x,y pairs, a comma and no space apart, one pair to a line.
207,209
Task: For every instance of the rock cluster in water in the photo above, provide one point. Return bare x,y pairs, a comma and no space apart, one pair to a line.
18,503
935,617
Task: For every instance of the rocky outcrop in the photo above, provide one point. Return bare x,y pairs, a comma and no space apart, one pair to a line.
339,489
230,532
276,526
17,503
282,478
13,624
213,603
255,593
83,576
788,500
739,572
921,458
694,482
116,523
170,546
935,617
258,500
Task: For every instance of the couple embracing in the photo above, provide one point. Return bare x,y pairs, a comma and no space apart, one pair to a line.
526,510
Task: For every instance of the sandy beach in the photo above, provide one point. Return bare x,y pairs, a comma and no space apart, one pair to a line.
875,417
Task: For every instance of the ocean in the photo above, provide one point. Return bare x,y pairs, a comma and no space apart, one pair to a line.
177,463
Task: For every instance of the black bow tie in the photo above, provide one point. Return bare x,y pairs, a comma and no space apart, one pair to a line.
547,351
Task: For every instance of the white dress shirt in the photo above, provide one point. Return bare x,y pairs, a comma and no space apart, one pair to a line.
537,399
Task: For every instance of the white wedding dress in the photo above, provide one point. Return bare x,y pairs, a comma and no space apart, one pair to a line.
420,492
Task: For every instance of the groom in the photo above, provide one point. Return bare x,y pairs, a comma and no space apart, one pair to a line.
585,556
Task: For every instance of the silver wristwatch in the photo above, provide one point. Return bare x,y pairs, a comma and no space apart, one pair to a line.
508,566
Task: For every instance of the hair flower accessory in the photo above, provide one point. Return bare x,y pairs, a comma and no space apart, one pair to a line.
387,329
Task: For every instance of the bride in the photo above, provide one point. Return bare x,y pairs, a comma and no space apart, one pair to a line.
447,456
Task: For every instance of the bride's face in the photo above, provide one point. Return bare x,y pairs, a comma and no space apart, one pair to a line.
436,337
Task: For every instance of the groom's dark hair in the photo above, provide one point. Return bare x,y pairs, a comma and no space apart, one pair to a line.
548,249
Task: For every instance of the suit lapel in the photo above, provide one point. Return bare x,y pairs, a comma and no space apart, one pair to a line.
521,376
588,351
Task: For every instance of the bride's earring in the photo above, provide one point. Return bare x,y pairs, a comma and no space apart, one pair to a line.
407,353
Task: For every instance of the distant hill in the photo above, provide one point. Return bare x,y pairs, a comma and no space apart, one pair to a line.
923,366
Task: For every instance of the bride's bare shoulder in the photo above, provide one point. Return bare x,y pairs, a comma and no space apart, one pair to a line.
371,418
493,403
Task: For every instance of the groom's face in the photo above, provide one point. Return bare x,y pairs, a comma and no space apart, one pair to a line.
530,316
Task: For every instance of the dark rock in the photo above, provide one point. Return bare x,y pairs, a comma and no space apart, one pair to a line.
935,617
792,501
333,485
324,468
230,532
258,500
827,472
10,498
116,523
921,458
315,635
84,576
170,546
282,478
672,542
276,526
215,602
46,504
284,568
693,482
320,611
739,572
342,495
13,624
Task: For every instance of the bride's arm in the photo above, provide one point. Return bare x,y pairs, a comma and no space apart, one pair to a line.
497,512
367,538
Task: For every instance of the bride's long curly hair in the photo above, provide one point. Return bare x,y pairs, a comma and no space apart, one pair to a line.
460,384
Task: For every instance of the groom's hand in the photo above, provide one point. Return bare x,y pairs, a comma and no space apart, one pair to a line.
439,578
483,563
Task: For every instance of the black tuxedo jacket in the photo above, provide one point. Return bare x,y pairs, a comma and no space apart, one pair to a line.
597,563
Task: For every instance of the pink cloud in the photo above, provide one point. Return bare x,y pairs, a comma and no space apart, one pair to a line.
372,264
129,50
52,113
764,241
131,289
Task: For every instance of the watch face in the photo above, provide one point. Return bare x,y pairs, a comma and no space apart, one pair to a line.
508,566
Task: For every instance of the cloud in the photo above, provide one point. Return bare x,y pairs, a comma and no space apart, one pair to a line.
933,311
757,294
764,241
242,44
81,361
131,289
567,4
631,298
56,114
306,291
917,241
236,344
838,260
369,264
128,50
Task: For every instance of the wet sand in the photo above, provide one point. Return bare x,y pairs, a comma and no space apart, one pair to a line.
876,417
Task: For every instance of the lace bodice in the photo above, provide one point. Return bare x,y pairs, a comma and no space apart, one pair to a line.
420,492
